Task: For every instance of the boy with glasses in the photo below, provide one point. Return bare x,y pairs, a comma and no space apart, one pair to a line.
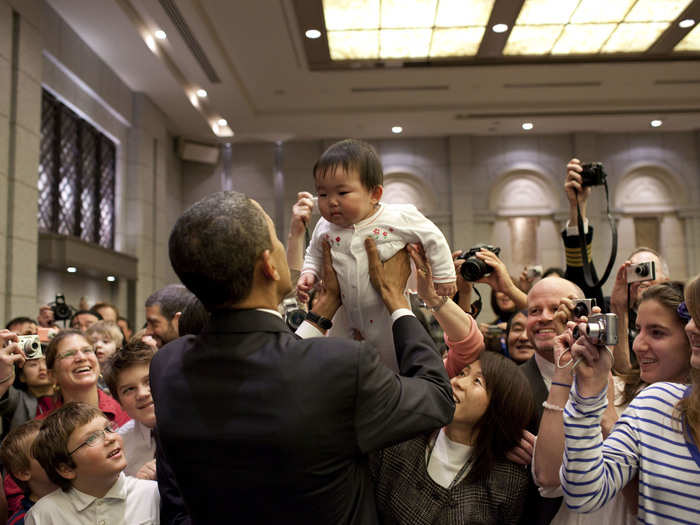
81,452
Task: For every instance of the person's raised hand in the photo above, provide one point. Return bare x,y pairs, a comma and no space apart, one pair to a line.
301,213
594,367
424,274
573,184
618,296
389,278
10,355
499,278
522,452
464,287
148,471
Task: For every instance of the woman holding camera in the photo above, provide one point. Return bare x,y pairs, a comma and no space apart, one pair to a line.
656,437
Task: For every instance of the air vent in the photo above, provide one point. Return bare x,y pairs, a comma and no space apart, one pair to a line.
554,114
176,17
552,85
672,81
392,89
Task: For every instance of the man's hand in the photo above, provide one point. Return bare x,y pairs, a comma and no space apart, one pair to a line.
328,290
522,452
148,471
574,190
618,296
499,279
389,278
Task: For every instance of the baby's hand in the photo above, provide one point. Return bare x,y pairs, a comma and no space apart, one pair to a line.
446,289
304,285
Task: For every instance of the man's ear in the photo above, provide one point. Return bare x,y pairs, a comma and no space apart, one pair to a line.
376,194
268,267
65,471
176,320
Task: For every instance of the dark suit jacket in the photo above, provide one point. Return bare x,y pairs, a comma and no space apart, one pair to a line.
260,426
538,510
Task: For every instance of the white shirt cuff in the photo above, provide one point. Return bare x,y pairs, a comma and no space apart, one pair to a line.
573,230
400,313
307,330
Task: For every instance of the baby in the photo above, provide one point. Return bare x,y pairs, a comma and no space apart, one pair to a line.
348,179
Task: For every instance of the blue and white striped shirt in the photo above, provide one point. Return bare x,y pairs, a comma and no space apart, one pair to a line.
646,440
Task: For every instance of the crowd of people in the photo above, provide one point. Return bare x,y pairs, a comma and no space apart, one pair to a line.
219,409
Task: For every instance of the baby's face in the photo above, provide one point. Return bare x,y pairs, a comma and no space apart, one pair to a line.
342,199
104,347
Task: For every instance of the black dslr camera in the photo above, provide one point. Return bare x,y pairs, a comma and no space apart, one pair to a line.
61,310
474,268
593,174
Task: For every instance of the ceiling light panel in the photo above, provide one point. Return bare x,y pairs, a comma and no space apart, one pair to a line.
582,38
455,42
404,43
541,12
691,42
601,11
351,14
532,40
458,13
634,38
656,10
403,14
353,45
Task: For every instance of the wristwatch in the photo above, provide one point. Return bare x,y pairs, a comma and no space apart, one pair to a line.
323,322
435,308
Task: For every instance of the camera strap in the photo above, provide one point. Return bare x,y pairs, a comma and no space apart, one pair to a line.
587,267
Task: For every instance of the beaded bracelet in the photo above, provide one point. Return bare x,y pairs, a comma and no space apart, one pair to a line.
550,406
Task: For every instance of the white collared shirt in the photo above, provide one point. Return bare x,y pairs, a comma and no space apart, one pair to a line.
139,446
546,369
130,501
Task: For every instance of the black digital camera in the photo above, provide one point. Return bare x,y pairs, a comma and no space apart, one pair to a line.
474,268
583,307
593,174
61,310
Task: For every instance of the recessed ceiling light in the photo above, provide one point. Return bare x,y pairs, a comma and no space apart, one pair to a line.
111,278
313,34
194,100
71,269
222,122
160,34
500,28
151,43
202,93
656,123
527,126
396,129
688,22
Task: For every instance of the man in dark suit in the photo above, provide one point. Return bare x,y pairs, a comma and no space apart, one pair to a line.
259,426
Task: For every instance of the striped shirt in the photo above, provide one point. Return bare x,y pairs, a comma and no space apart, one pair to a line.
646,440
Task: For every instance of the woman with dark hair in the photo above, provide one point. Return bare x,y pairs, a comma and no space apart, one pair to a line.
656,437
460,474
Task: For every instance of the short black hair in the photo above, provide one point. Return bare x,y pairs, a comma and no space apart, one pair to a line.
19,320
553,270
193,319
352,154
171,298
215,245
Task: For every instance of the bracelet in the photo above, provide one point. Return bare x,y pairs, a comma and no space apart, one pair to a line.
443,302
565,385
550,406
6,379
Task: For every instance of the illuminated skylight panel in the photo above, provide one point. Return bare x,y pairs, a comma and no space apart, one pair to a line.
404,14
601,11
582,38
543,12
532,40
455,42
634,38
656,10
691,41
353,45
351,14
404,43
458,13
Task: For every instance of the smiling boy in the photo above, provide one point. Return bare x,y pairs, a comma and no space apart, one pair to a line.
81,452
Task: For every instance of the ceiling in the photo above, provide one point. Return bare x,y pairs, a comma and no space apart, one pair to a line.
253,60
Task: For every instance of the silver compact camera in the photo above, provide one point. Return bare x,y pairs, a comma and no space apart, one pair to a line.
601,329
31,346
645,271
583,307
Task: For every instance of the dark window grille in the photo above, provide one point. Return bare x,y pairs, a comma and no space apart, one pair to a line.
76,176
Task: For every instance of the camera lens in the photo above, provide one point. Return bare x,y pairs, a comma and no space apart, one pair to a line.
473,269
642,270
580,310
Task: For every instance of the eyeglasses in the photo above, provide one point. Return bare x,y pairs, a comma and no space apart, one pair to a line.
96,437
68,354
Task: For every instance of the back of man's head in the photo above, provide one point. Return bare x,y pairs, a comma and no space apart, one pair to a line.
171,298
214,247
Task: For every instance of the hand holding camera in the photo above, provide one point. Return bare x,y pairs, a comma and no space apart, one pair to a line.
10,354
591,359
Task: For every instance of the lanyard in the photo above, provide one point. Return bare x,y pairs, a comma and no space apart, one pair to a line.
462,471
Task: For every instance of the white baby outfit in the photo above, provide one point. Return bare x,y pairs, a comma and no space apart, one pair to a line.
392,226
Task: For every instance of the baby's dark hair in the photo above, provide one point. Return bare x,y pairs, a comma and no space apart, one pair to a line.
352,154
